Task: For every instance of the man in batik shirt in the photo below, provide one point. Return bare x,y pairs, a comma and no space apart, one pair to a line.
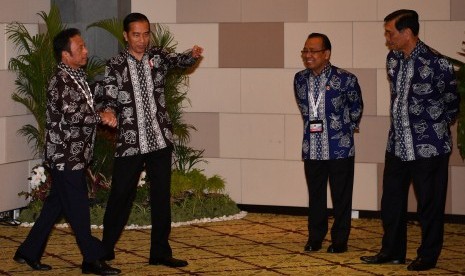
330,101
134,88
424,103
71,123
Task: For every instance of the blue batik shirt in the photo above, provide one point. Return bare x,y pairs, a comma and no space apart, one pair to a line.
339,109
424,102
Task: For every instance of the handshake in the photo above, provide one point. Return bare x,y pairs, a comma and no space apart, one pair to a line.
109,118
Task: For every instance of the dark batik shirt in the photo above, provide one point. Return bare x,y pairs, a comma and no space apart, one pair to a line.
424,102
71,120
136,91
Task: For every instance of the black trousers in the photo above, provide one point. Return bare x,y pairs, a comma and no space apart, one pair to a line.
69,197
340,173
125,177
429,177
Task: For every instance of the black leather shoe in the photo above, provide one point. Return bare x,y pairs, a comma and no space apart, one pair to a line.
337,248
381,258
312,246
99,268
108,257
36,265
420,265
168,261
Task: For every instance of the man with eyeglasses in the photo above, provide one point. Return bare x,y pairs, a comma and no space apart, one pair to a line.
330,101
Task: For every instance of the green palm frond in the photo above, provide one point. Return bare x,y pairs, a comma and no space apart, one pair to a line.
95,66
114,26
33,66
163,38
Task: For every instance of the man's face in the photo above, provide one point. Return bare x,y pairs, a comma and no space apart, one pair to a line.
395,40
314,55
138,37
77,57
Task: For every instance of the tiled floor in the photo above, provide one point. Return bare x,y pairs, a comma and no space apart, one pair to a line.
259,244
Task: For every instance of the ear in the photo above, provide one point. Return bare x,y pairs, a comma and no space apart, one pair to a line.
64,55
125,35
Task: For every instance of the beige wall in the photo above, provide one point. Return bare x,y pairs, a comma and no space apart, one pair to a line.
242,94
15,154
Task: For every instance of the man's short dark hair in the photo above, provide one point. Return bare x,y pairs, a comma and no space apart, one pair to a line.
134,17
405,19
326,42
61,42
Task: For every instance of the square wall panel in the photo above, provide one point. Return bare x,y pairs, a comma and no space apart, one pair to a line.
14,181
457,190
214,90
2,139
367,79
457,10
251,45
447,43
201,11
365,192
426,9
293,136
16,146
8,107
207,134
371,139
259,136
274,182
339,10
157,11
23,10
3,46
274,11
369,45
268,91
339,33
204,35
229,170
383,93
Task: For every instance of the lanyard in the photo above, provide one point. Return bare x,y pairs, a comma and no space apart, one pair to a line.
314,104
86,88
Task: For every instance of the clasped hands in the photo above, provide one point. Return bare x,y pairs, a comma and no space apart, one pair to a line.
108,118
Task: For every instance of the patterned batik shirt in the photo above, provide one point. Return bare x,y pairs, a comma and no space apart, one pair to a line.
340,109
135,90
71,120
424,103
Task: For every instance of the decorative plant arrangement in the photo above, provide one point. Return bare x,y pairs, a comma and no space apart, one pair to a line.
194,195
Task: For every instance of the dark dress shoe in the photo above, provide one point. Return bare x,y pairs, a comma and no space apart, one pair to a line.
312,246
36,265
420,265
337,248
99,268
381,258
168,261
108,257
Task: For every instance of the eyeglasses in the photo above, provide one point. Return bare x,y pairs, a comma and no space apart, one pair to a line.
307,51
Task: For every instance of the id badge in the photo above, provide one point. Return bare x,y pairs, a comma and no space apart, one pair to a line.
316,126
